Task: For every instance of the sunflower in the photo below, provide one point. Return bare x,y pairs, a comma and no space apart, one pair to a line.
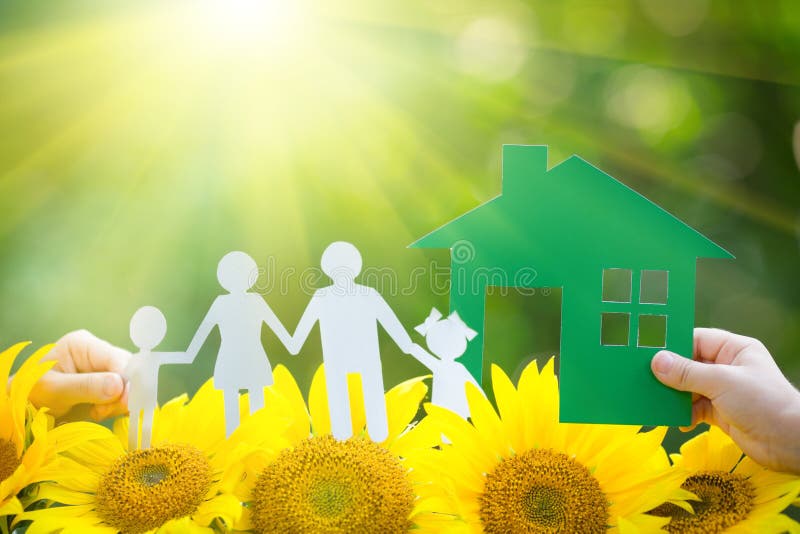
733,493
183,483
318,484
28,442
523,471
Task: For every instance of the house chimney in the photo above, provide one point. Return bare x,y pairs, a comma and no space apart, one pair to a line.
522,165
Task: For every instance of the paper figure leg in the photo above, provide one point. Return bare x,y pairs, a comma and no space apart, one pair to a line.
375,406
231,399
147,428
133,431
256,399
339,405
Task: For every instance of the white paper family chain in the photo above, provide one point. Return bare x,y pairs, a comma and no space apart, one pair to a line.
348,315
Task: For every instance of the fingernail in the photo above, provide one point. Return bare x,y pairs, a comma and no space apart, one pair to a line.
112,386
662,362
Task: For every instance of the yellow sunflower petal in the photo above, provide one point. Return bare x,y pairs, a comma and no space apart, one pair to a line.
62,495
69,435
486,421
286,391
713,450
540,390
11,507
7,358
402,405
183,526
318,404
422,436
226,507
355,394
510,411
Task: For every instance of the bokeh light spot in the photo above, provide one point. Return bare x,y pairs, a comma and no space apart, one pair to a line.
491,48
651,100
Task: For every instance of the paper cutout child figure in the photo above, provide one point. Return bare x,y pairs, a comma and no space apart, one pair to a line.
242,363
148,328
348,314
447,338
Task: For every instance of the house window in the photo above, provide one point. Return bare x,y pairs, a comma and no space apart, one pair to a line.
652,331
615,328
654,287
634,308
617,285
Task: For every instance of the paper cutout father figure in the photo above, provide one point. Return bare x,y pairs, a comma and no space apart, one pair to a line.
348,316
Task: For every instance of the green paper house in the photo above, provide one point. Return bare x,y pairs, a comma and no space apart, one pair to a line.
626,268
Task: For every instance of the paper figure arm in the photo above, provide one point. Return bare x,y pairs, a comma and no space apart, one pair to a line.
208,324
307,321
392,325
424,357
174,357
127,373
276,326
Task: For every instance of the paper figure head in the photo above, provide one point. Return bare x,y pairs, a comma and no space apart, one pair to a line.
148,327
447,338
341,261
237,272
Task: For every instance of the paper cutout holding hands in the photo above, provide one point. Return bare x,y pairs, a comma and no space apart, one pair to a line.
148,328
242,363
348,314
447,338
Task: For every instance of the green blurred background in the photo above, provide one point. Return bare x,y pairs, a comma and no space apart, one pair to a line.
140,141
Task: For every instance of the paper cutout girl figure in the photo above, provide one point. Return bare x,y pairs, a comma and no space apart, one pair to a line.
148,328
242,363
348,316
447,338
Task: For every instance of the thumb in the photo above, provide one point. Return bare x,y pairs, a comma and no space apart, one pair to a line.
92,388
685,374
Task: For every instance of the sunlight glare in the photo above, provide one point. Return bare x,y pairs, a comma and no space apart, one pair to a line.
247,23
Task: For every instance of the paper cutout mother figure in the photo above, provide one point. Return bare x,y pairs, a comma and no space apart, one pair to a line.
348,315
148,328
242,363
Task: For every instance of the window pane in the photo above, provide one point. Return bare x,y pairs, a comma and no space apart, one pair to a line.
653,331
617,285
614,328
654,287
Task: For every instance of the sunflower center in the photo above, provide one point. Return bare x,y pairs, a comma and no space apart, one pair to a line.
150,475
324,485
330,498
9,460
542,490
145,489
725,500
544,505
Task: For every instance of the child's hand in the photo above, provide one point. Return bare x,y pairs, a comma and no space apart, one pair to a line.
86,380
739,388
